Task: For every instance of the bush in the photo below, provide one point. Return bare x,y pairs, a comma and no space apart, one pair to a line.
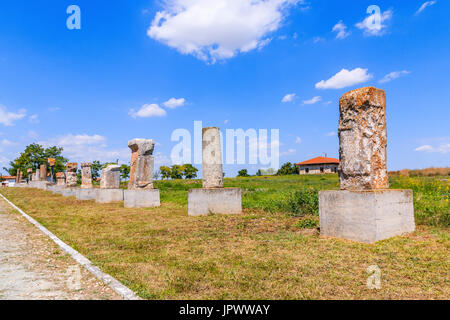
307,223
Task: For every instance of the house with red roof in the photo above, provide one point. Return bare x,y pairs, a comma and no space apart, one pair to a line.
319,165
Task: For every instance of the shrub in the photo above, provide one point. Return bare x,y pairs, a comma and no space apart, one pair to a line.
307,223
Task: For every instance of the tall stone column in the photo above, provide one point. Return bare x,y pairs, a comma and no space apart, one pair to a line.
38,175
212,170
43,172
142,164
140,193
71,174
86,175
363,140
364,209
213,197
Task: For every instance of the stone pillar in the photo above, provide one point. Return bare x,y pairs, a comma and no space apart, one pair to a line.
60,179
213,197
142,163
364,209
110,177
18,176
71,174
212,170
43,172
86,175
37,175
363,140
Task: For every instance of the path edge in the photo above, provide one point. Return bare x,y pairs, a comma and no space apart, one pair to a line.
110,281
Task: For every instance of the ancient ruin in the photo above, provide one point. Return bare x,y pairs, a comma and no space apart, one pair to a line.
43,172
60,179
110,185
86,175
71,174
365,209
213,197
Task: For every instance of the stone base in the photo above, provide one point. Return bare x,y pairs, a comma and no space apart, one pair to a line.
57,189
39,184
87,194
367,216
109,195
217,201
147,198
68,192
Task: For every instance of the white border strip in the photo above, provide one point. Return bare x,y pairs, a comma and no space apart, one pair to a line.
118,287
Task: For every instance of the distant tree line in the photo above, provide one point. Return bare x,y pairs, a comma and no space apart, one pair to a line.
286,169
186,171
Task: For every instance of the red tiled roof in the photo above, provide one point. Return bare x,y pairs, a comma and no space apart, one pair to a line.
319,160
8,177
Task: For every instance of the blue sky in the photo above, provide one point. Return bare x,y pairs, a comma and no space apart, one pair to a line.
145,68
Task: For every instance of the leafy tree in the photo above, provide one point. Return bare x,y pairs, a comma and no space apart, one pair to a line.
189,171
124,171
259,173
96,168
288,169
79,176
166,172
176,172
243,173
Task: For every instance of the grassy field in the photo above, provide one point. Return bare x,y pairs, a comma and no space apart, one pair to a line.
272,251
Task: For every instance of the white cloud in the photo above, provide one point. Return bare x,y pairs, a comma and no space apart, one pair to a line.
313,100
372,27
345,78
331,134
327,103
443,148
33,118
219,29
7,143
147,111
226,121
287,153
393,75
288,98
341,30
7,118
298,140
4,162
424,6
54,109
318,39
173,103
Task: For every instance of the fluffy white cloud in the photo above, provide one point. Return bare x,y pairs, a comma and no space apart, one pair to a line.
341,29
331,134
394,75
173,103
443,148
288,98
313,100
298,140
219,29
374,26
33,118
7,118
147,111
424,6
345,78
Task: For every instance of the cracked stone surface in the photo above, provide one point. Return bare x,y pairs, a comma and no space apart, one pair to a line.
86,175
142,164
363,140
32,267
71,174
212,170
110,177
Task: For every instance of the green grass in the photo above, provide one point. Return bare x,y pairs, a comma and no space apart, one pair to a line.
271,251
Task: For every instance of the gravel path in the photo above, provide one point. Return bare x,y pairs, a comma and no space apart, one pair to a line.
32,267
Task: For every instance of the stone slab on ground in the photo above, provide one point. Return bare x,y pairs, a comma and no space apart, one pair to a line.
86,194
145,198
217,201
366,216
69,192
39,184
109,195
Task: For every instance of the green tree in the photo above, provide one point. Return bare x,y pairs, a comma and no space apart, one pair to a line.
96,168
176,172
165,172
288,169
243,173
189,171
259,173
124,171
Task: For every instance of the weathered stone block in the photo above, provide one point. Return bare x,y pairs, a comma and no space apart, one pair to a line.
86,175
217,200
71,174
366,216
109,195
110,177
146,198
212,170
86,194
142,163
43,172
363,140
69,192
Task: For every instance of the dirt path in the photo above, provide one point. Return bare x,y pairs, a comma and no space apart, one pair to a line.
33,267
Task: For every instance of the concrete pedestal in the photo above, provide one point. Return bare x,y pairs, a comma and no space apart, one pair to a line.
68,192
57,189
109,195
148,198
366,216
39,184
217,201
86,194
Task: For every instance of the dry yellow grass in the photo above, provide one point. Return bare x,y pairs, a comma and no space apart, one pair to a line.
162,253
